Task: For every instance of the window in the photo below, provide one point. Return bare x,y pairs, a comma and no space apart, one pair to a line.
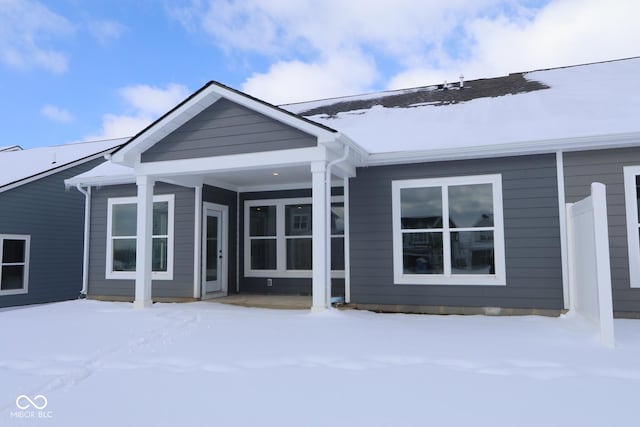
632,203
448,231
278,237
14,264
121,238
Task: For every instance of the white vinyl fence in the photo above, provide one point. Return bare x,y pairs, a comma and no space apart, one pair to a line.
589,268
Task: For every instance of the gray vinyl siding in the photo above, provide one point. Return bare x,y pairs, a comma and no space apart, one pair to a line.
606,166
229,199
531,230
226,128
182,283
54,218
280,285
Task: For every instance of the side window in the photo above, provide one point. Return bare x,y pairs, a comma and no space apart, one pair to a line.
448,231
121,238
14,264
632,206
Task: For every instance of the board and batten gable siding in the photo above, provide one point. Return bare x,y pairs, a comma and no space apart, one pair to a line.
182,284
279,285
531,231
606,166
54,218
226,128
228,198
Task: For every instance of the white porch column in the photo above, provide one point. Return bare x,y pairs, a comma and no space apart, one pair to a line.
319,236
143,241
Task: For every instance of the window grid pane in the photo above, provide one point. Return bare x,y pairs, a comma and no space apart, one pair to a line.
262,221
13,251
421,208
472,252
159,254
422,253
263,254
298,220
160,219
124,255
124,219
12,277
470,205
299,254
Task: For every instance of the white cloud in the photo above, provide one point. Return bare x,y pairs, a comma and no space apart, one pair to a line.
106,31
294,81
56,114
143,105
425,41
151,100
565,32
25,30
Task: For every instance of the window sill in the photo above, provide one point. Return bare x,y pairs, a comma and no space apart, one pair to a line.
113,275
300,274
440,280
14,292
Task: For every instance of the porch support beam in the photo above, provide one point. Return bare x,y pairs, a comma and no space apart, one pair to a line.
197,243
235,162
319,235
143,241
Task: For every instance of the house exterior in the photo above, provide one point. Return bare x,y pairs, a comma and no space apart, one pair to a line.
445,198
41,223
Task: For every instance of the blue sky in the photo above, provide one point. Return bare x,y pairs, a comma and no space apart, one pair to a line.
74,70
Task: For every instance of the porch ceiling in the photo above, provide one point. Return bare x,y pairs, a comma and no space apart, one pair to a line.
269,177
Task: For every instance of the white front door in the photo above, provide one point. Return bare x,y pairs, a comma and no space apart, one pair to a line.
213,249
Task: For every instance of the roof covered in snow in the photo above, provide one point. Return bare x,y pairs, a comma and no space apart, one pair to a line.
570,102
577,107
21,165
11,148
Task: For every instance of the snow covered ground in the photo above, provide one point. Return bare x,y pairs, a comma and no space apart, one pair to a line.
106,364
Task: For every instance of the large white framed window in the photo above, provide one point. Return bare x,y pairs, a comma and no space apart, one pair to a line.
448,231
278,237
14,264
632,206
121,237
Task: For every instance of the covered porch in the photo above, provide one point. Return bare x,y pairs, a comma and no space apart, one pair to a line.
221,191
270,236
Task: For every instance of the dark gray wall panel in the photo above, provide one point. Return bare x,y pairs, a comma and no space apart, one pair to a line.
54,218
532,236
182,283
227,198
605,166
226,128
286,286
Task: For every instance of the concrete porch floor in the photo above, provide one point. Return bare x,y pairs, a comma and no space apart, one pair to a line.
282,302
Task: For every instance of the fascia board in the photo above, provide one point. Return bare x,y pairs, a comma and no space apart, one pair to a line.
508,149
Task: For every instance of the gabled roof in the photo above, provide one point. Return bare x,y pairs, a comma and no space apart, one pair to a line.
21,166
552,108
10,148
203,98
571,108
